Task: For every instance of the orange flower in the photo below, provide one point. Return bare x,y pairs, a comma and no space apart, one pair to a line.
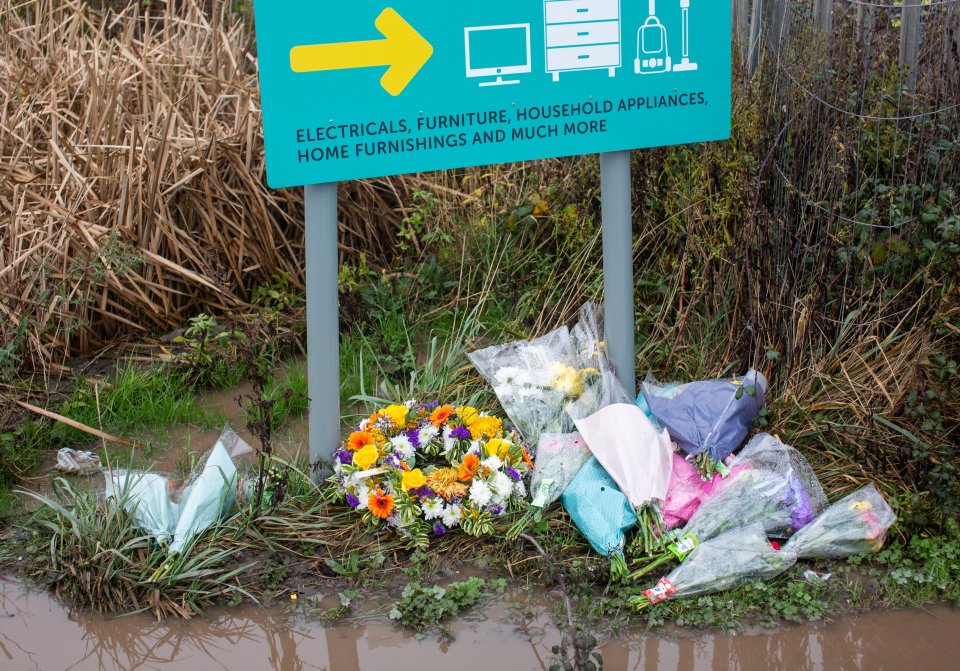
359,440
469,467
381,505
440,416
526,458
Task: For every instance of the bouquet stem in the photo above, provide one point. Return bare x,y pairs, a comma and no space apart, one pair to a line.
652,534
619,571
521,525
640,603
657,562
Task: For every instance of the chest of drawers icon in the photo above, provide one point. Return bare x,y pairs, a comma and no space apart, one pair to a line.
582,35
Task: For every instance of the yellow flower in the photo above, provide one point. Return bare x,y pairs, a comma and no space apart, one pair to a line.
567,380
365,458
468,415
414,479
490,427
397,414
498,447
862,506
444,482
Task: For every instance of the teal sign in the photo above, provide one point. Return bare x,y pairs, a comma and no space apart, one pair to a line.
367,89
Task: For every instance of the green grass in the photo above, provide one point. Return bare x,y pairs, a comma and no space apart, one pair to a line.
133,401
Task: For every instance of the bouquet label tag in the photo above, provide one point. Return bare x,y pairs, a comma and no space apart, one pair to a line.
722,469
663,590
543,491
684,546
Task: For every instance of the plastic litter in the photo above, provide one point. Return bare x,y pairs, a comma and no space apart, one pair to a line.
209,493
856,524
709,417
76,462
725,562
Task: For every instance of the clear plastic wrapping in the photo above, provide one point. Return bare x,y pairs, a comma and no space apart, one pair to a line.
725,562
533,380
560,456
709,416
856,524
599,509
767,453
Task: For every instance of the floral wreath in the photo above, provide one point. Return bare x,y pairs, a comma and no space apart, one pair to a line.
428,468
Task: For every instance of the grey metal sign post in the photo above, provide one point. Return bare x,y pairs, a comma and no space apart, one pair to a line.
323,318
617,217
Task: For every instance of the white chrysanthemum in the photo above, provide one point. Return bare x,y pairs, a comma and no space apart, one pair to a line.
412,402
362,492
519,489
504,390
432,508
510,374
480,493
402,445
502,484
452,515
427,434
493,462
364,424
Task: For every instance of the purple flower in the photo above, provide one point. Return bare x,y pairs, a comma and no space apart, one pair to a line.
352,500
460,433
439,529
392,460
495,510
428,406
413,435
345,457
423,492
513,474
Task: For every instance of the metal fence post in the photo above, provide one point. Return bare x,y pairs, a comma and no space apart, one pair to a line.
323,319
823,16
741,29
910,42
753,52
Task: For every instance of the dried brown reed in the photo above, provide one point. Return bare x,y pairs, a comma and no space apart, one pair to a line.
132,186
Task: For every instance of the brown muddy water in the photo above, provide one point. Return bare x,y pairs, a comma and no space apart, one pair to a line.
37,633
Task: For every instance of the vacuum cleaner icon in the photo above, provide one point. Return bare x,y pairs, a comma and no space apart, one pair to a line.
653,56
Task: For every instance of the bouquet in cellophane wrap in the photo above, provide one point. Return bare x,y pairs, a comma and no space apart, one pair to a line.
708,419
728,561
856,524
602,513
637,456
773,486
425,469
537,380
560,456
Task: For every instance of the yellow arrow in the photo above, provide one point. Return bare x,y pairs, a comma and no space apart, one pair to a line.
404,50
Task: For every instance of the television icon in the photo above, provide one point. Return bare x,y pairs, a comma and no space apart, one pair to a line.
494,51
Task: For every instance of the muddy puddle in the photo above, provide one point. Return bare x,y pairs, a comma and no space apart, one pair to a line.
37,633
